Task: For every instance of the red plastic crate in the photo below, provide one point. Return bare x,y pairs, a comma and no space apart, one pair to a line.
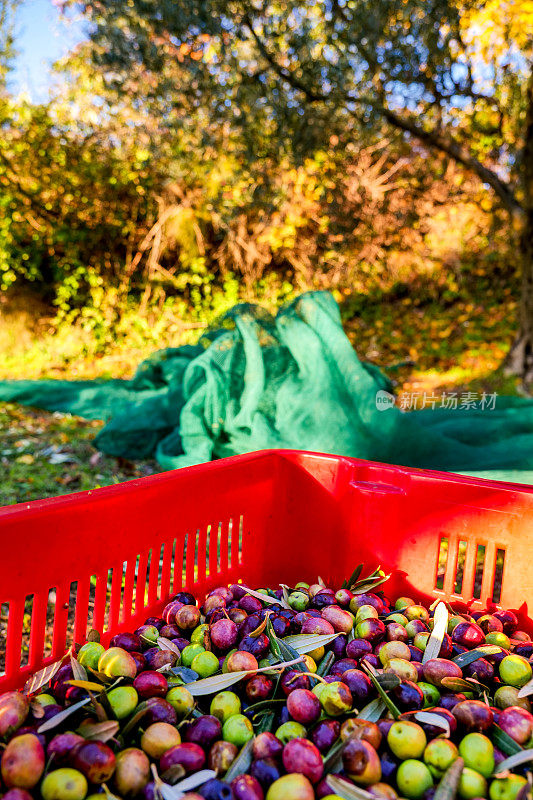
118,553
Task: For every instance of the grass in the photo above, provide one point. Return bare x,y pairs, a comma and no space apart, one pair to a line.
453,330
43,455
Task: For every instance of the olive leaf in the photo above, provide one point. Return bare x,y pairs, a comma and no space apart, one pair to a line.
347,790
325,664
89,686
464,659
266,723
449,783
373,710
42,678
513,761
57,719
307,642
190,782
284,602
99,731
78,670
259,630
526,689
185,674
440,627
457,684
166,644
241,763
101,675
504,742
369,583
264,705
333,758
320,582
217,683
434,719
142,709
288,652
346,584
274,643
394,710
388,680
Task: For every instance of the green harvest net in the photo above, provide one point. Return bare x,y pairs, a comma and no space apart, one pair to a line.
256,381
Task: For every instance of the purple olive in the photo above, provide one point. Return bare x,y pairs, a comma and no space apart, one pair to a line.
204,731
468,634
338,646
292,680
301,755
325,734
190,756
170,631
449,701
258,688
250,604
372,660
215,789
159,710
127,641
388,766
525,649
249,625
266,771
150,684
281,626
258,646
323,599
480,669
60,747
303,706
224,634
266,745
360,686
140,661
408,696
509,621
358,648
246,787
157,622
436,669
157,658
416,653
473,715
339,667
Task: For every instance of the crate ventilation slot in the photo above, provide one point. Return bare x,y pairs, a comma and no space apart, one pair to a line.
457,574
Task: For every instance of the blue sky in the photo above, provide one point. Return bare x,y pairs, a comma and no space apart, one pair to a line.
40,38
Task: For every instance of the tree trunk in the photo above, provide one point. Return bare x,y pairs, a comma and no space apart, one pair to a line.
520,358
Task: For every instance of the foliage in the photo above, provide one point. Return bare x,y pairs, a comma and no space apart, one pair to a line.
409,64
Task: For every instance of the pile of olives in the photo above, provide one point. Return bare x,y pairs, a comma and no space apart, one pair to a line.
293,693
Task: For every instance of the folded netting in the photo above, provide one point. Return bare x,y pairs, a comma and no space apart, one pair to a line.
257,381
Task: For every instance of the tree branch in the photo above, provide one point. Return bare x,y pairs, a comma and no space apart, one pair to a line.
433,138
446,144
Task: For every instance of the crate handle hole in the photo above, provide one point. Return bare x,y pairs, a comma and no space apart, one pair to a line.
498,576
478,574
442,563
460,567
